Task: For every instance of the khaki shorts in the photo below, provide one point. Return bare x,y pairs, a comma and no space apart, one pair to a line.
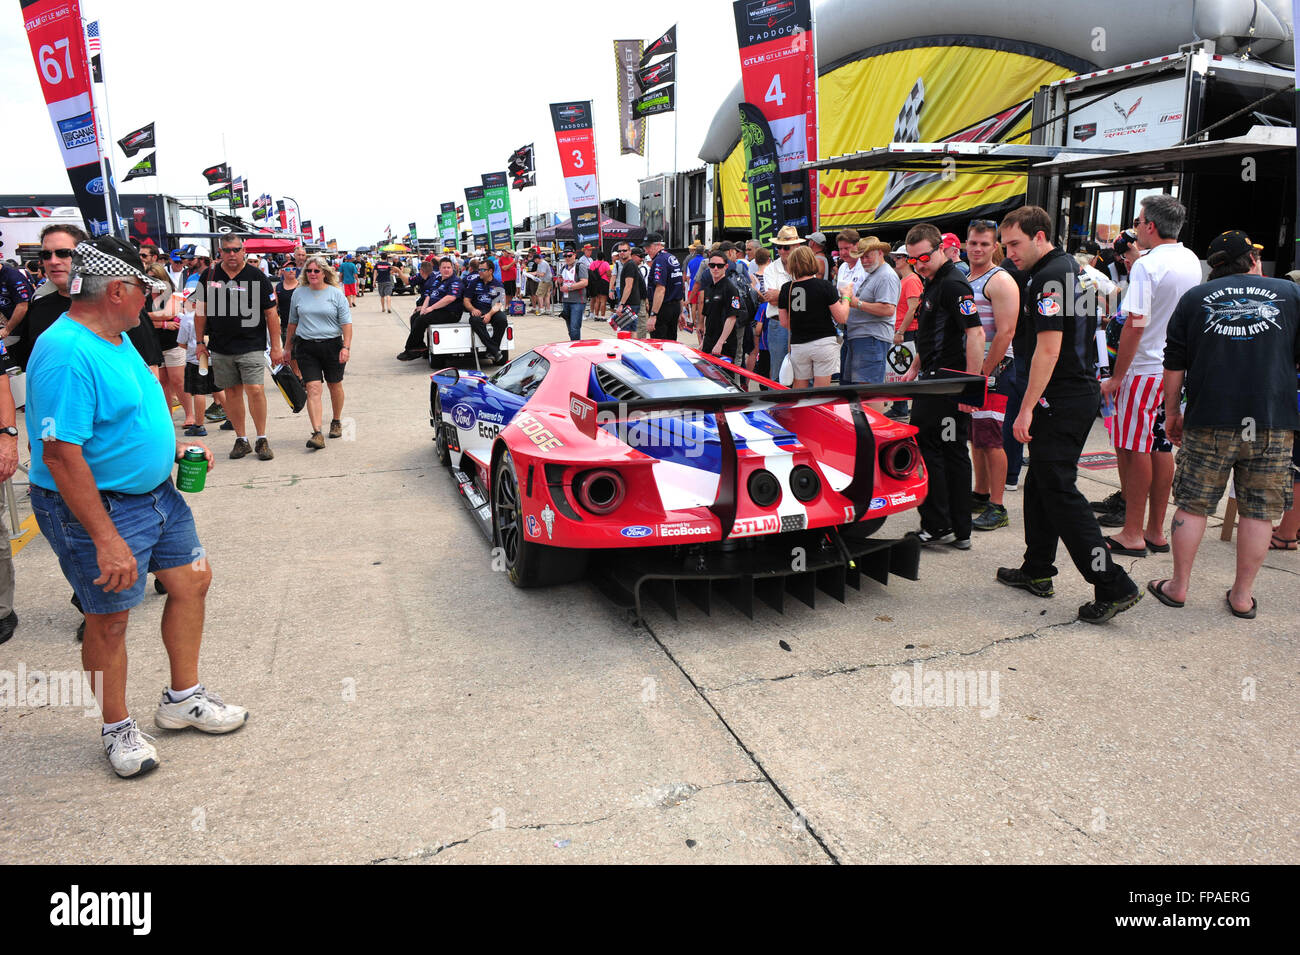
819,359
544,289
174,357
231,370
1261,472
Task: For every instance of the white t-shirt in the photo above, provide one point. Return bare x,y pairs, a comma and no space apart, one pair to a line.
1158,280
775,275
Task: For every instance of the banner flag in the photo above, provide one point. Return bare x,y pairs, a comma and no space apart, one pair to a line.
778,71
145,167
259,213
134,142
631,128
662,100
520,167
665,71
478,215
216,174
58,45
306,228
447,224
415,237
496,193
284,218
576,140
321,232
221,192
762,174
665,44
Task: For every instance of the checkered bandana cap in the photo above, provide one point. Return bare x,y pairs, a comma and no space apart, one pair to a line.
89,260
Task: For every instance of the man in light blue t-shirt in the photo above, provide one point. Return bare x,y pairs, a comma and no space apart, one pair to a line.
103,446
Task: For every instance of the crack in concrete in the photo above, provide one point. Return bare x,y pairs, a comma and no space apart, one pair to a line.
820,672
429,852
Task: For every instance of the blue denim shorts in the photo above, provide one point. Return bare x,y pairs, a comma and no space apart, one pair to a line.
157,526
862,361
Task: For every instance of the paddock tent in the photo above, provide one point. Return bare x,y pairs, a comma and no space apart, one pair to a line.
887,74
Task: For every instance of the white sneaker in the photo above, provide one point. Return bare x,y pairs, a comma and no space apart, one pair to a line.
130,751
204,710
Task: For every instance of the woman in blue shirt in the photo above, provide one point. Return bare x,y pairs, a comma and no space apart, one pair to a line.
318,338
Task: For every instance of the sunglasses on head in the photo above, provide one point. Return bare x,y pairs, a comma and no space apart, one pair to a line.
47,254
982,224
923,257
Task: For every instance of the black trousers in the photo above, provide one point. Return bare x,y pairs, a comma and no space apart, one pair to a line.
1055,510
420,323
666,321
492,344
944,431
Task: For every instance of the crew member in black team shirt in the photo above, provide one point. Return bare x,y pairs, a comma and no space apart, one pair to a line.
949,335
723,312
1055,334
439,304
485,300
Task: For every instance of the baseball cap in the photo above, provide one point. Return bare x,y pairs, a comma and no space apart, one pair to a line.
950,241
1089,246
1230,245
819,238
653,237
176,255
1123,241
901,250
109,256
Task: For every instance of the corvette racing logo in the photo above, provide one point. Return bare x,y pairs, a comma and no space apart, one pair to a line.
1125,114
464,417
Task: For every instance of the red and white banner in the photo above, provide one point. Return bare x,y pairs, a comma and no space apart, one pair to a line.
58,45
577,142
778,69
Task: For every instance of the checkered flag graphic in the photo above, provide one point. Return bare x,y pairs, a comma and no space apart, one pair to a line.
907,129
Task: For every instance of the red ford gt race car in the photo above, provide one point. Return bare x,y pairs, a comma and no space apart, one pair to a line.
654,459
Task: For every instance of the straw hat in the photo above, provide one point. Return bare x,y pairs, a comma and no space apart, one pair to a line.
872,244
788,235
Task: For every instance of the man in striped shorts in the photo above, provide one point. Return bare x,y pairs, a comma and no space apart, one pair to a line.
1146,462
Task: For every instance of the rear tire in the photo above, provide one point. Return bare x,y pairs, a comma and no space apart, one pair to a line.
527,564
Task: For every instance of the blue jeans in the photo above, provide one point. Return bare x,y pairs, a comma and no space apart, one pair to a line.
778,345
1013,384
571,312
157,526
862,361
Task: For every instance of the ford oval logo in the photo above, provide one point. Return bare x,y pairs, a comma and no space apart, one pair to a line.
96,186
877,503
464,416
637,530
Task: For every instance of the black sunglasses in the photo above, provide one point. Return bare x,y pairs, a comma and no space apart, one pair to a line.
313,271
238,248
47,254
982,224
717,265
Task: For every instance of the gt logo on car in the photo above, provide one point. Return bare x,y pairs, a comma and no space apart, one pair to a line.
537,432
753,526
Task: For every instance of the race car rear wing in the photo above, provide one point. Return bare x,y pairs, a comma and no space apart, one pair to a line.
589,416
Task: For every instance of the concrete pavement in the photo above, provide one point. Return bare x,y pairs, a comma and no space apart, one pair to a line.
409,705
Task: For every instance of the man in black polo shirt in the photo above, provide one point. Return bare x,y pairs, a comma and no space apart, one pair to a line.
235,307
949,335
485,300
1055,335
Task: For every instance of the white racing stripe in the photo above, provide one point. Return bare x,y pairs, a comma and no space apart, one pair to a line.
775,458
663,364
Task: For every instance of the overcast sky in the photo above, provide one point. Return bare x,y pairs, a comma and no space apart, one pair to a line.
371,119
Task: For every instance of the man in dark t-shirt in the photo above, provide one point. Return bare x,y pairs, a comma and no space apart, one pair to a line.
235,310
1055,336
948,336
1234,341
724,314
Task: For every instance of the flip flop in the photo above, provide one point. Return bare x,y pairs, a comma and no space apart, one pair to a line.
1157,589
1243,614
1117,548
1157,548
1282,543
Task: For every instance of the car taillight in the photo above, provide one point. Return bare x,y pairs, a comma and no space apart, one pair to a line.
510,333
805,485
600,491
899,459
764,488
437,338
